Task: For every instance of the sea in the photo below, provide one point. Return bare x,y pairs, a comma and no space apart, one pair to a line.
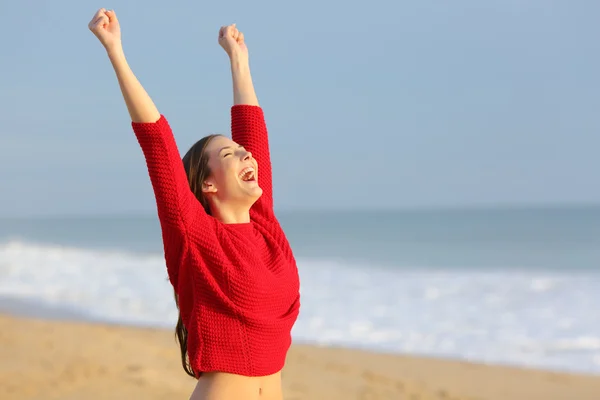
512,286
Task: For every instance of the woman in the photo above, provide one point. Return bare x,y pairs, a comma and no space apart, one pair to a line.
230,264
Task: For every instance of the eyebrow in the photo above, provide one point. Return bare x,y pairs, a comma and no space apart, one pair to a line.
228,147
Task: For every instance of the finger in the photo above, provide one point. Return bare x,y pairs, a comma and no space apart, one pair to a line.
222,32
241,38
101,21
112,16
229,30
97,15
100,12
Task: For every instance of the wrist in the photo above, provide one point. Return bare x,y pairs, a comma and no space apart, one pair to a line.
115,50
239,60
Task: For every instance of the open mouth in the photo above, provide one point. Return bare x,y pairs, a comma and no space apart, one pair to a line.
247,174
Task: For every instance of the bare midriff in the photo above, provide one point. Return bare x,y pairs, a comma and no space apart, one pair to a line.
224,386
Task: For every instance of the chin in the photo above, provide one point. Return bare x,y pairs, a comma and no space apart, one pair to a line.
250,190
255,192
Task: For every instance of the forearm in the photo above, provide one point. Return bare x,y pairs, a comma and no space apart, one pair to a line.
139,104
243,87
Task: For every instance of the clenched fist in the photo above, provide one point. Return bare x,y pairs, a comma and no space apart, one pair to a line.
106,27
232,41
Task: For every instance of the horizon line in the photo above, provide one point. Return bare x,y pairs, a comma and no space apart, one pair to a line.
342,210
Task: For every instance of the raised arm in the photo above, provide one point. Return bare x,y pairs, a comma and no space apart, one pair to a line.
248,127
176,204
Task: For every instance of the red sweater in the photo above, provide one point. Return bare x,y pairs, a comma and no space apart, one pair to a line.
237,284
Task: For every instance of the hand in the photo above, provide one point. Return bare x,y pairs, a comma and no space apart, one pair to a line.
232,41
105,26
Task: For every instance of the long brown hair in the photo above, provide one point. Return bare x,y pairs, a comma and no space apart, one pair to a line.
196,167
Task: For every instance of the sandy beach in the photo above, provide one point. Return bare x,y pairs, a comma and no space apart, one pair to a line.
52,359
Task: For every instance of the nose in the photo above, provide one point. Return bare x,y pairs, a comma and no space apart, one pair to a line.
247,156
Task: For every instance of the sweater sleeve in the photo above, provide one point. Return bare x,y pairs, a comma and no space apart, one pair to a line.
248,128
176,204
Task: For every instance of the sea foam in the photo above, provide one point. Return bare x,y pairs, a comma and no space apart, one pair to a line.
545,319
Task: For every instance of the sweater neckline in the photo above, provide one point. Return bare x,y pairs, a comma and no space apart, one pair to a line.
239,226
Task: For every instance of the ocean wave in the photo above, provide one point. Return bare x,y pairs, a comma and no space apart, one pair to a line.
111,285
534,318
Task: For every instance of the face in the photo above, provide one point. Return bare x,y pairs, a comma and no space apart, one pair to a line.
234,173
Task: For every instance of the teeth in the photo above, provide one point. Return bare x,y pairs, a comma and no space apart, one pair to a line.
246,173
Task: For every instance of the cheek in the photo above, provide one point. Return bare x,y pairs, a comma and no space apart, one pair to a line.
225,173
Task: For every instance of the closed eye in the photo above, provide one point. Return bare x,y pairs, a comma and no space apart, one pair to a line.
229,151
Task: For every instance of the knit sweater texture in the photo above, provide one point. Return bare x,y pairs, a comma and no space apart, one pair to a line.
237,284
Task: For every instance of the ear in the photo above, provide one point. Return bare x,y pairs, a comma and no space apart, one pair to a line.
208,187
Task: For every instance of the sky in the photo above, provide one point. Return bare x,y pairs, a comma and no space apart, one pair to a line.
376,104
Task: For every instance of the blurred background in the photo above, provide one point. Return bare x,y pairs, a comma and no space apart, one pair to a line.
435,166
